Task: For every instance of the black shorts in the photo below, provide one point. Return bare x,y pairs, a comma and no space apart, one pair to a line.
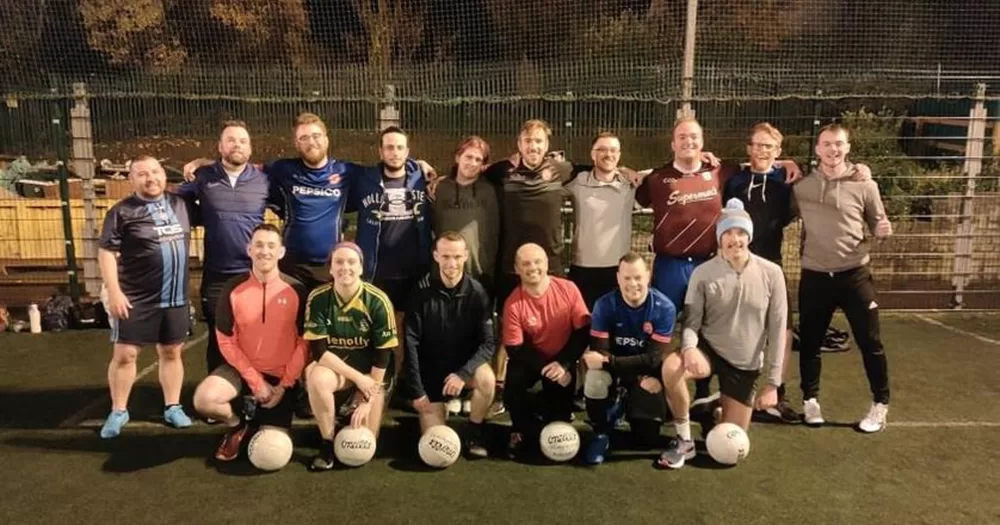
312,275
149,325
640,404
398,290
505,285
360,360
734,383
433,383
594,282
278,416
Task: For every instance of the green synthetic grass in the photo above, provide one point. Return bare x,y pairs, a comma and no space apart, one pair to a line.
794,474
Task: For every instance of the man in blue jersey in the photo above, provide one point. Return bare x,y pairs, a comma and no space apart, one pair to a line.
143,259
232,195
394,226
630,331
309,192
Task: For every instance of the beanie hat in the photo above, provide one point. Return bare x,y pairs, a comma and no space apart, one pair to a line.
734,216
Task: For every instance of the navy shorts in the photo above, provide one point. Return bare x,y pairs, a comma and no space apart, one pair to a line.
150,325
671,276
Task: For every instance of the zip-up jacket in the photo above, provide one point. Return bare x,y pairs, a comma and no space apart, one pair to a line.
259,328
229,213
448,331
365,196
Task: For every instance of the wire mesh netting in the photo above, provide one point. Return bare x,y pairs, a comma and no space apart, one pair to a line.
160,75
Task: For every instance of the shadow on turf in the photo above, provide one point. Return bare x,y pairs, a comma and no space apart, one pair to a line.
42,409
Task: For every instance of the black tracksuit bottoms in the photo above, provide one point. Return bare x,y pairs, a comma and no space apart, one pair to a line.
853,291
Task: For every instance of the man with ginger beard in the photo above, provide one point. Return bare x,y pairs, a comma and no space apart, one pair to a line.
232,195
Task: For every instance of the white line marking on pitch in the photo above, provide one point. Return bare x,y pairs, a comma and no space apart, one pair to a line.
976,336
77,416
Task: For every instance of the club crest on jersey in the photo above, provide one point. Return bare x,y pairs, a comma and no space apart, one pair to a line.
647,327
707,175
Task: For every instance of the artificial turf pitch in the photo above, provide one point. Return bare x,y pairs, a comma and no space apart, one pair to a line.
936,463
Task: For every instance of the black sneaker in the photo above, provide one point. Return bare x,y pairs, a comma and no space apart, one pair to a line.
834,345
516,445
325,460
781,413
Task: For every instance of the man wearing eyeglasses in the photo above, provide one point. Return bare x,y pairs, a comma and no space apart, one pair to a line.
761,186
603,199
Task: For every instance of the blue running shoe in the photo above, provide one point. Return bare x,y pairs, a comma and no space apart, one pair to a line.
113,425
175,417
596,450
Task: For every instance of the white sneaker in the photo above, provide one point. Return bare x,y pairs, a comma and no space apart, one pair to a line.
811,412
875,421
454,406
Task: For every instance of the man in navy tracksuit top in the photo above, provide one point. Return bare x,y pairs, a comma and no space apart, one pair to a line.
309,193
394,226
232,195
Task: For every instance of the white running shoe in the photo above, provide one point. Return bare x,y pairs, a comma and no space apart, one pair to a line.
812,415
875,421
454,406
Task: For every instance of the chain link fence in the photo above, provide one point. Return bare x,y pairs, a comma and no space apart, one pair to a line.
158,77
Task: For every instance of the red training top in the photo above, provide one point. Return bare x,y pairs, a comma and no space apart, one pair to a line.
259,327
547,321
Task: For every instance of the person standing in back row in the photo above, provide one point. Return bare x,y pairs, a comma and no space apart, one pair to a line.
232,195
835,271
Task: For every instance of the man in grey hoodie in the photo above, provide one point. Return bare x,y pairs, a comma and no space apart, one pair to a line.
835,271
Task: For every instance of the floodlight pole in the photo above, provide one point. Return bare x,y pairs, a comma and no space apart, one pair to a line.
687,75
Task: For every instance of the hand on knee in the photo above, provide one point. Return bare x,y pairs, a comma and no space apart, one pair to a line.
651,384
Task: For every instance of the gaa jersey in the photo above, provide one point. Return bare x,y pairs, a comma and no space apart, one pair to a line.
152,239
629,329
353,329
685,210
312,202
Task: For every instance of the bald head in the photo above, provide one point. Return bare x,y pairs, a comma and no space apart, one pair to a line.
531,264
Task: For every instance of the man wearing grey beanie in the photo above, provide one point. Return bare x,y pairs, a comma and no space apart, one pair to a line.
735,309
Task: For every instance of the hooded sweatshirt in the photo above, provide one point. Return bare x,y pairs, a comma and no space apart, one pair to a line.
474,212
834,213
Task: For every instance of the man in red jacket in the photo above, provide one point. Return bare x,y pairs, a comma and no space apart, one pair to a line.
259,322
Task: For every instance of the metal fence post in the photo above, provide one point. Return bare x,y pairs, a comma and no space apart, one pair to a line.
687,75
82,157
62,154
975,139
388,114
